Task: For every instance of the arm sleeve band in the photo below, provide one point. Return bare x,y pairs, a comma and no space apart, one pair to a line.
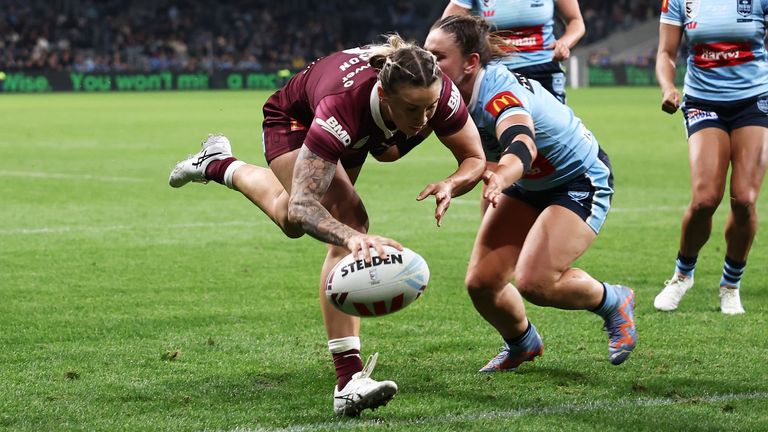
517,147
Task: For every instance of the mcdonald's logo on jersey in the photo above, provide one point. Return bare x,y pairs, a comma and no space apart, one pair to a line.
502,101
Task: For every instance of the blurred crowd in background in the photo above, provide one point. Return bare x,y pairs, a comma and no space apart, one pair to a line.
208,35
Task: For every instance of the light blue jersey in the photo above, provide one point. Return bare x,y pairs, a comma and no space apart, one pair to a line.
566,148
726,48
526,24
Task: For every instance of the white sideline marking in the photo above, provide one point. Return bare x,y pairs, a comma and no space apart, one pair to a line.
97,229
47,175
523,412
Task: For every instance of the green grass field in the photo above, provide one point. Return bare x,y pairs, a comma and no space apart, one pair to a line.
128,305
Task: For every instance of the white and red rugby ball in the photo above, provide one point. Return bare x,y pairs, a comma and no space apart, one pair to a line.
380,287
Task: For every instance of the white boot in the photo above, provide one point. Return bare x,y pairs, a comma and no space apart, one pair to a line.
192,169
673,292
362,392
730,301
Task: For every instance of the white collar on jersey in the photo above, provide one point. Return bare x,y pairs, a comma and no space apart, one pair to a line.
376,112
476,88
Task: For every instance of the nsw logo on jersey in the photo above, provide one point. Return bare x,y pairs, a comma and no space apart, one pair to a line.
501,102
333,127
762,104
744,7
721,54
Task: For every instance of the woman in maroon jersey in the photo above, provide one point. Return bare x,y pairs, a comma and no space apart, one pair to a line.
318,130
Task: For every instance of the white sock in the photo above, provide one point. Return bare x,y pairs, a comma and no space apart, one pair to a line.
344,344
230,172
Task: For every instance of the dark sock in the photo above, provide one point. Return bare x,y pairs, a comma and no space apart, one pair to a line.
347,364
685,265
216,169
516,340
732,272
602,301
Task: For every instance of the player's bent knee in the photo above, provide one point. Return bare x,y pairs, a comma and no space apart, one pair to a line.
479,285
533,287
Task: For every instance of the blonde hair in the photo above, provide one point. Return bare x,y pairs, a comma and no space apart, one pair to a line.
400,62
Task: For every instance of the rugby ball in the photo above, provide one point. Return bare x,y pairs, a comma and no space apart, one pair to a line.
381,287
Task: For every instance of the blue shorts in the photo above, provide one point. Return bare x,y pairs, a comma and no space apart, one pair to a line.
588,194
699,114
550,75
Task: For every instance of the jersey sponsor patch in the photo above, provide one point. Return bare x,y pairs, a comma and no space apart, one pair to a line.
719,54
502,101
540,168
332,126
523,39
694,116
665,6
454,101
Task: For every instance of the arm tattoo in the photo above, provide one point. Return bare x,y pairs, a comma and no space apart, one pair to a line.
312,176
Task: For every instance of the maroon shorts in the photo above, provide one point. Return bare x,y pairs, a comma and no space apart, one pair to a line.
283,134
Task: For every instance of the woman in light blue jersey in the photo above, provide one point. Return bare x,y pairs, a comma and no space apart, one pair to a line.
527,27
550,193
725,109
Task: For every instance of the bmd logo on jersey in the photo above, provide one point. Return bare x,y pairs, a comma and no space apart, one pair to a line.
454,101
333,127
502,101
744,7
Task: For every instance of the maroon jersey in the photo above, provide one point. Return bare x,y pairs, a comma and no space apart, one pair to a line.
333,108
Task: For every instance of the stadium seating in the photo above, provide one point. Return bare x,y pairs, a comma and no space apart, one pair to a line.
207,35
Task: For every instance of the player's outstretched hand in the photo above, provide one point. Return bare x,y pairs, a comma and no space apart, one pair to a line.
494,184
361,245
442,192
670,100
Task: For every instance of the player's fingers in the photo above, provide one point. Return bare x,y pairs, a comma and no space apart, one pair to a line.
367,251
380,251
429,190
357,250
440,210
394,243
